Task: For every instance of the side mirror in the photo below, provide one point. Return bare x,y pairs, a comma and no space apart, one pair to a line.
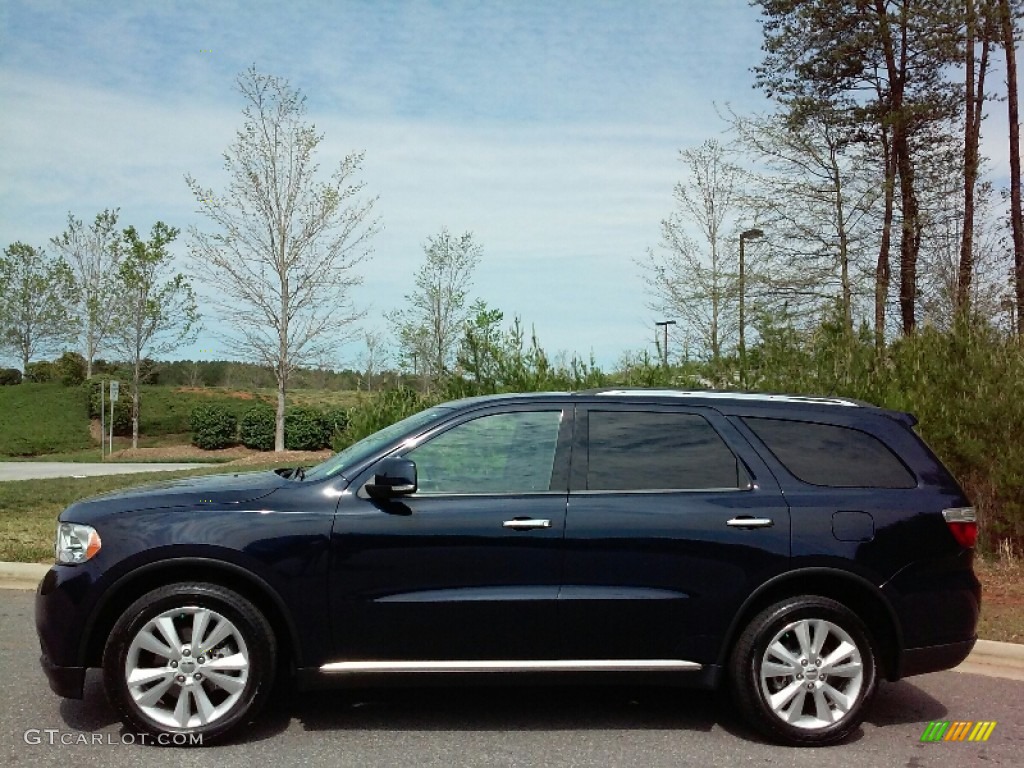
393,476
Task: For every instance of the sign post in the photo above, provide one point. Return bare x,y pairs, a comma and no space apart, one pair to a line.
103,417
113,399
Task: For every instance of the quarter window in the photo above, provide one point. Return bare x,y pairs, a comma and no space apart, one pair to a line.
500,453
648,450
837,457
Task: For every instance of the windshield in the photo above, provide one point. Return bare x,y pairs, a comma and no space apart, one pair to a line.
363,449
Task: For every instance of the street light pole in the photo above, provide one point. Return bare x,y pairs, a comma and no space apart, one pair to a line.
750,234
664,349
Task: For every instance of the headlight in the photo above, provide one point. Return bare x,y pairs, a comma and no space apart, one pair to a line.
75,543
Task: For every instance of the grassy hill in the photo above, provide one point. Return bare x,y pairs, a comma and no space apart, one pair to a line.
42,418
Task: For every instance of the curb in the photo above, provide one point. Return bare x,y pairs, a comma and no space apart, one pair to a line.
989,657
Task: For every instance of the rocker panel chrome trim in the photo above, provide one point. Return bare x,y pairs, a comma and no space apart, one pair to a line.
541,665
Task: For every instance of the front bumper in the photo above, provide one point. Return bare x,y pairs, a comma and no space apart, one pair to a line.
68,682
62,606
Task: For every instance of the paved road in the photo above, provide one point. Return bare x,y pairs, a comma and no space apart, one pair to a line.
37,470
596,726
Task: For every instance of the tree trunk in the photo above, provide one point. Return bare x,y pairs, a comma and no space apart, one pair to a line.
135,404
279,426
975,101
883,270
966,271
910,238
1016,220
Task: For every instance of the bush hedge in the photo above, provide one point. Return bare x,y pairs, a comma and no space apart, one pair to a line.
306,429
256,428
9,376
69,369
40,372
213,427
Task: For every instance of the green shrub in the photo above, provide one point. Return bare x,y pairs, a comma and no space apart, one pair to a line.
384,409
306,429
213,427
69,369
40,372
337,421
9,376
256,429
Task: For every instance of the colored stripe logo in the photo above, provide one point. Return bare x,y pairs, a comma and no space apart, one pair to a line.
958,730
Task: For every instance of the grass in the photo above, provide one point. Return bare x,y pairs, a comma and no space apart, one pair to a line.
29,508
47,422
42,418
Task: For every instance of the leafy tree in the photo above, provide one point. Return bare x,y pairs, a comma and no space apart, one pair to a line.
438,310
1008,13
156,312
36,296
93,254
882,64
285,243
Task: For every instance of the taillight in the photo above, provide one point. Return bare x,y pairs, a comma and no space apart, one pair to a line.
962,524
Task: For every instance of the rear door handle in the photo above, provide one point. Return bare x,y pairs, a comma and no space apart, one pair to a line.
525,525
751,522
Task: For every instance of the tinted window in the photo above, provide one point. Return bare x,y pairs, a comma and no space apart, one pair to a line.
500,453
640,450
838,457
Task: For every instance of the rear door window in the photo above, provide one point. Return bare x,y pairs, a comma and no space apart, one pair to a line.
658,450
830,455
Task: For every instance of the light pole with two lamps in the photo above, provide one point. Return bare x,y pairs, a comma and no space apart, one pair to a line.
664,350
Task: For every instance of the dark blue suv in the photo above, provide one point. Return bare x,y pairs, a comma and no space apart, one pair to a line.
794,549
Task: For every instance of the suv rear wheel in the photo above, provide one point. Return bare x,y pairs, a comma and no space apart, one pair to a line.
803,671
189,659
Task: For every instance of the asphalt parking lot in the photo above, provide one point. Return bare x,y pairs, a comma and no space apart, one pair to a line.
496,726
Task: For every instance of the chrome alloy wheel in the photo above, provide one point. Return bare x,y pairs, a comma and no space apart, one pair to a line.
812,674
187,667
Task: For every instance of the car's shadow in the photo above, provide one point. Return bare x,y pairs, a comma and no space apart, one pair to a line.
509,708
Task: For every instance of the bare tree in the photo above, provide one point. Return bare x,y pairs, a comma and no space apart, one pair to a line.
155,312
93,255
690,275
438,311
373,356
285,245
37,293
817,195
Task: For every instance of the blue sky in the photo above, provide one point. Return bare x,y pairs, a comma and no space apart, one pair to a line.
551,130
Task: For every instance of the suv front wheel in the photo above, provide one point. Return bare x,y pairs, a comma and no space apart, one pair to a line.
803,671
188,662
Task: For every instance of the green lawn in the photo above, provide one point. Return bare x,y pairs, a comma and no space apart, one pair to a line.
29,508
48,421
42,418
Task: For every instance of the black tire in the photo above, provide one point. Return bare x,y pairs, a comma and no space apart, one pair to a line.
800,694
239,667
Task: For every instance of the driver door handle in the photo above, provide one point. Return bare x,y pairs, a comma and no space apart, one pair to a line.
521,524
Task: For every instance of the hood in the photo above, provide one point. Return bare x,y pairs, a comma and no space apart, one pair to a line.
233,488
